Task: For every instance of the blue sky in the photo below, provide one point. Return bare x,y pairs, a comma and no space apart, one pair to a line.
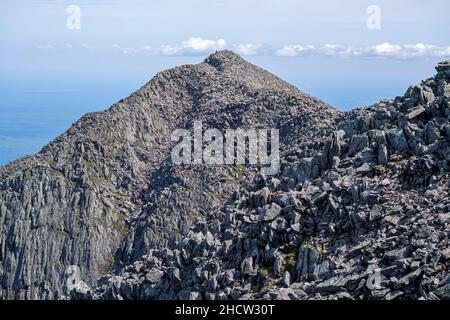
50,74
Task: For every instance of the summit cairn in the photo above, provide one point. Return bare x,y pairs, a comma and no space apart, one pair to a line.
444,68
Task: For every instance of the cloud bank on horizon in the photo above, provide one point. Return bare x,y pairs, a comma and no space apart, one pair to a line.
289,28
195,46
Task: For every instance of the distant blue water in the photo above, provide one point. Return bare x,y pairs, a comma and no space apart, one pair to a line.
29,119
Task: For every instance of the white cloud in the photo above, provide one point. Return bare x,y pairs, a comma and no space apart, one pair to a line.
196,46
129,50
386,49
332,50
443,52
45,47
294,50
407,51
192,46
199,44
424,50
353,51
167,50
420,49
250,49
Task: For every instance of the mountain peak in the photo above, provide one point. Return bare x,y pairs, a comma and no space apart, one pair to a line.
219,58
105,194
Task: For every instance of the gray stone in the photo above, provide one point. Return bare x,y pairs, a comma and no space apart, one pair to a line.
397,140
383,156
415,113
261,198
443,292
358,143
247,266
286,279
443,68
393,295
408,279
431,134
154,275
364,169
194,295
331,285
278,265
81,291
269,212
396,254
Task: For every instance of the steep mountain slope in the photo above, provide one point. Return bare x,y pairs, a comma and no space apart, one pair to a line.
105,192
362,212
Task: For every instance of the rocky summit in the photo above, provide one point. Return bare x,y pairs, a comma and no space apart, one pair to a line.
360,208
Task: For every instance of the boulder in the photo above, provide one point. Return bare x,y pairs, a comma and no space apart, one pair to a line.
269,212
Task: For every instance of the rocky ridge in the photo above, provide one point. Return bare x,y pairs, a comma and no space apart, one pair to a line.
359,209
364,216
104,192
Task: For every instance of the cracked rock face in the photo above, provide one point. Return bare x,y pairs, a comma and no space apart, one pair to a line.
359,209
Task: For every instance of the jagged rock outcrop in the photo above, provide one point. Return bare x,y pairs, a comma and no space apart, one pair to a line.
359,209
105,192
358,213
